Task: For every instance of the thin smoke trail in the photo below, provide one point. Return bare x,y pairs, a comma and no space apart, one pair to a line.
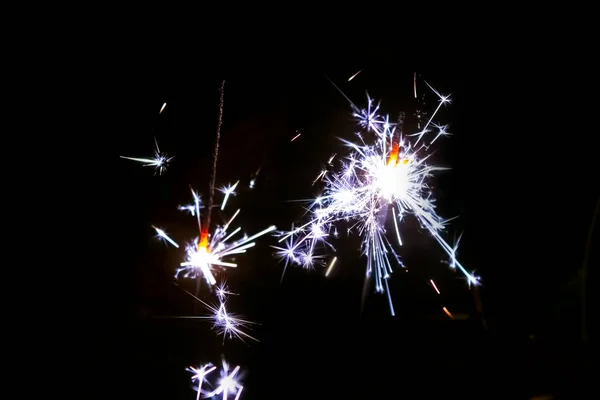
215,156
211,195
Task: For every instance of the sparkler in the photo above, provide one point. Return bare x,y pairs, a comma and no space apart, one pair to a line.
202,259
159,161
387,171
207,252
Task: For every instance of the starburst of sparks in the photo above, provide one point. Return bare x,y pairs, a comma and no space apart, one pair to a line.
388,170
208,252
228,385
199,375
227,324
159,162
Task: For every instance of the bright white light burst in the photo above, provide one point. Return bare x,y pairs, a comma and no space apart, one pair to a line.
228,386
199,375
389,171
207,252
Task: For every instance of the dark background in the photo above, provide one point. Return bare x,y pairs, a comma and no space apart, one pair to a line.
524,210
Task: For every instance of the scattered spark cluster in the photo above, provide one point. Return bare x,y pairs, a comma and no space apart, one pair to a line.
386,172
227,324
159,162
227,385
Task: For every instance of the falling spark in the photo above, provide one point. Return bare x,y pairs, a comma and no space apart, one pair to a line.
159,161
228,191
253,178
162,108
447,312
388,171
163,235
415,84
434,286
330,266
295,137
353,76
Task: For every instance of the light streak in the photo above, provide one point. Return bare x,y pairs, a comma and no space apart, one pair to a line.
354,76
415,85
228,191
448,312
162,108
331,266
434,286
163,235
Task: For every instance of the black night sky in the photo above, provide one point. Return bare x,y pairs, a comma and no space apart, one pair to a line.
314,341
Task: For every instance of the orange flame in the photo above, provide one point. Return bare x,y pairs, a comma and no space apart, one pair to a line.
393,160
203,242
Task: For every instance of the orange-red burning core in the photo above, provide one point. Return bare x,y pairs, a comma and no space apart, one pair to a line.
393,160
203,242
